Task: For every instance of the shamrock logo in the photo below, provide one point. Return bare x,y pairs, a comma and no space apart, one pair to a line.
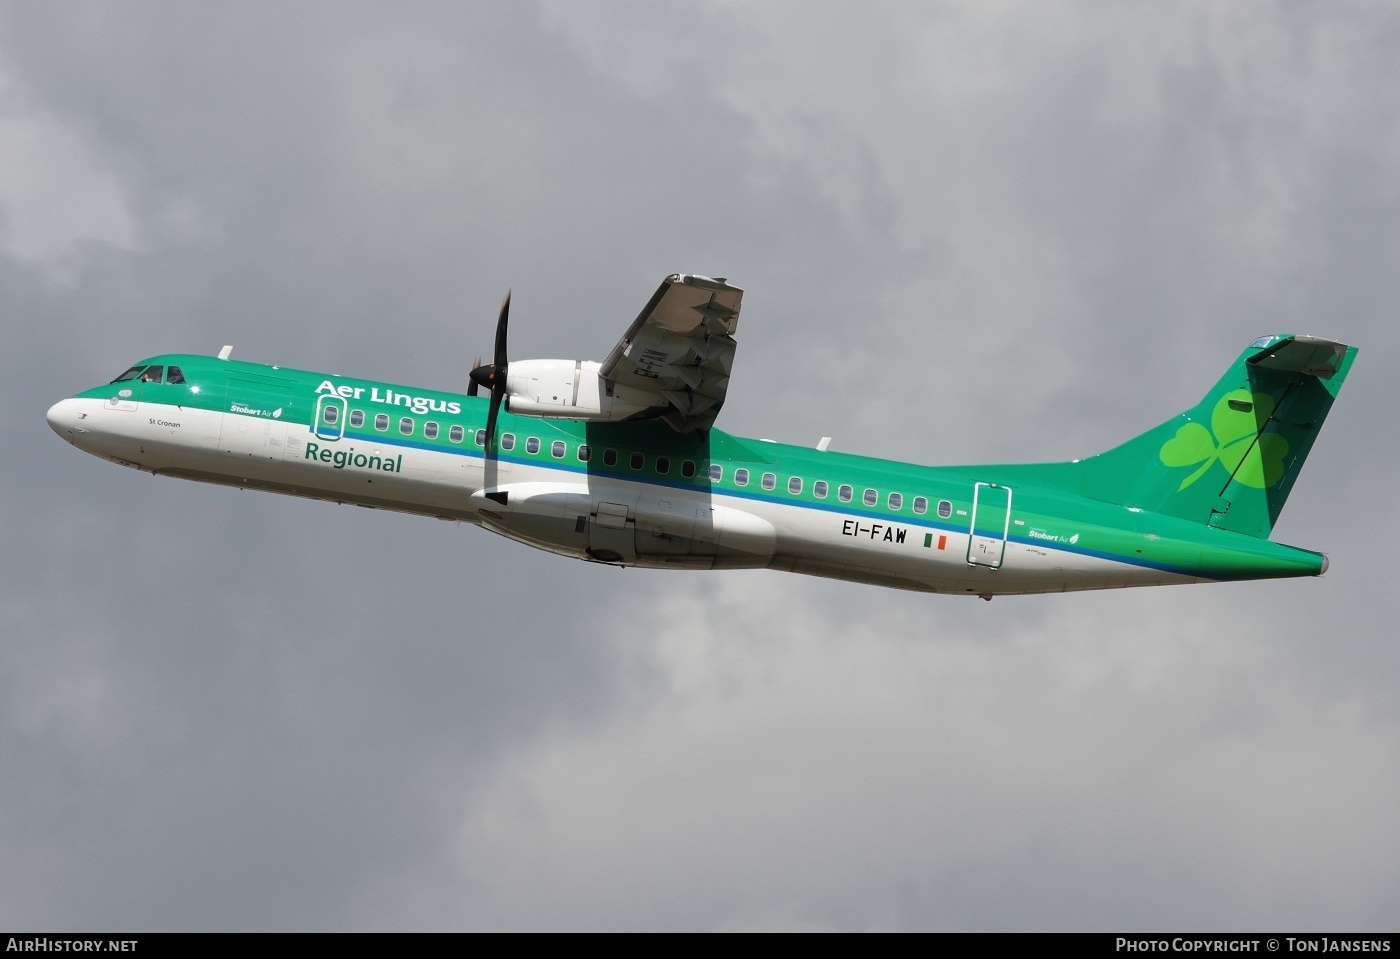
1234,423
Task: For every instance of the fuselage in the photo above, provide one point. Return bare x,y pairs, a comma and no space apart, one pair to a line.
641,494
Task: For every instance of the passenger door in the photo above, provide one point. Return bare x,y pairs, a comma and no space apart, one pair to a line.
331,412
991,521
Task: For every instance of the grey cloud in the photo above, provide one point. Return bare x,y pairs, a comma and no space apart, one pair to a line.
965,233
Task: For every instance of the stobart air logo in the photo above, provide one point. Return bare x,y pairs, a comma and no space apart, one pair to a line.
1233,425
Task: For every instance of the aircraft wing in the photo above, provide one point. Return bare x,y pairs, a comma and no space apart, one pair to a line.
680,349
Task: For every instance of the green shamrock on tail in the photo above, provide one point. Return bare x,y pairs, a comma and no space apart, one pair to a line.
1233,423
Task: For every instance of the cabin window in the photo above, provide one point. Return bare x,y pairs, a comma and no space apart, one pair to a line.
585,453
637,461
173,375
819,489
507,441
456,433
870,497
769,481
687,468
357,418
845,493
480,437
895,501
795,485
945,508
557,449
152,374
920,505
130,374
663,464
405,425
609,457
532,445
430,430
330,413
741,477
716,473
381,422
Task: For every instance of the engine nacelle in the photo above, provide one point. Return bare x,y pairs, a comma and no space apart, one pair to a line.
569,389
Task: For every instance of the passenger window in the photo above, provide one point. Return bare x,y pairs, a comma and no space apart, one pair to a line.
507,441
152,374
920,505
769,481
480,437
381,422
130,374
716,473
870,498
557,449
819,489
173,375
532,444
430,430
609,457
795,485
405,425
895,501
357,418
663,464
637,461
455,434
741,477
585,453
945,508
330,413
687,468
844,493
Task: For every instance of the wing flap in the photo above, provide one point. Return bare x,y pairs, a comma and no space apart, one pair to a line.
680,349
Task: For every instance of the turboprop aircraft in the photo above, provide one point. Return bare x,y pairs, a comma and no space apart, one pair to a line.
619,462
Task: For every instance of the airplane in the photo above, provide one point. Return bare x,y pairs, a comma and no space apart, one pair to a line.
619,463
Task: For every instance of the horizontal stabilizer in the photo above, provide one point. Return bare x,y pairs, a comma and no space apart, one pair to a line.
1311,355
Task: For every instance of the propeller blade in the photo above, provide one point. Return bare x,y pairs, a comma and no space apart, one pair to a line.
499,370
473,386
501,325
496,397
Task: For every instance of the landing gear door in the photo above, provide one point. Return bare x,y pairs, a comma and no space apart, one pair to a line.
330,417
991,522
612,534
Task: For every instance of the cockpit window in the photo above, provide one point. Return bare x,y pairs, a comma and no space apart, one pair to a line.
174,375
152,374
130,374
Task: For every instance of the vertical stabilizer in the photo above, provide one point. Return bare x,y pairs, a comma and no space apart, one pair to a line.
1230,461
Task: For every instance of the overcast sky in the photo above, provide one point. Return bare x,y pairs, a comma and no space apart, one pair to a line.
966,231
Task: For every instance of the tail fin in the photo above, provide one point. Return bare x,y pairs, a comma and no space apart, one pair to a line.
1231,460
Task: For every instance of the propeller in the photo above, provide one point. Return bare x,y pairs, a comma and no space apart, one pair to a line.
493,377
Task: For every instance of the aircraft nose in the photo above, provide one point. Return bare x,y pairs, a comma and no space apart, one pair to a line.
61,417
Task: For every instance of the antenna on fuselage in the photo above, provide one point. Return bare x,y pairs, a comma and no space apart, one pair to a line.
224,353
